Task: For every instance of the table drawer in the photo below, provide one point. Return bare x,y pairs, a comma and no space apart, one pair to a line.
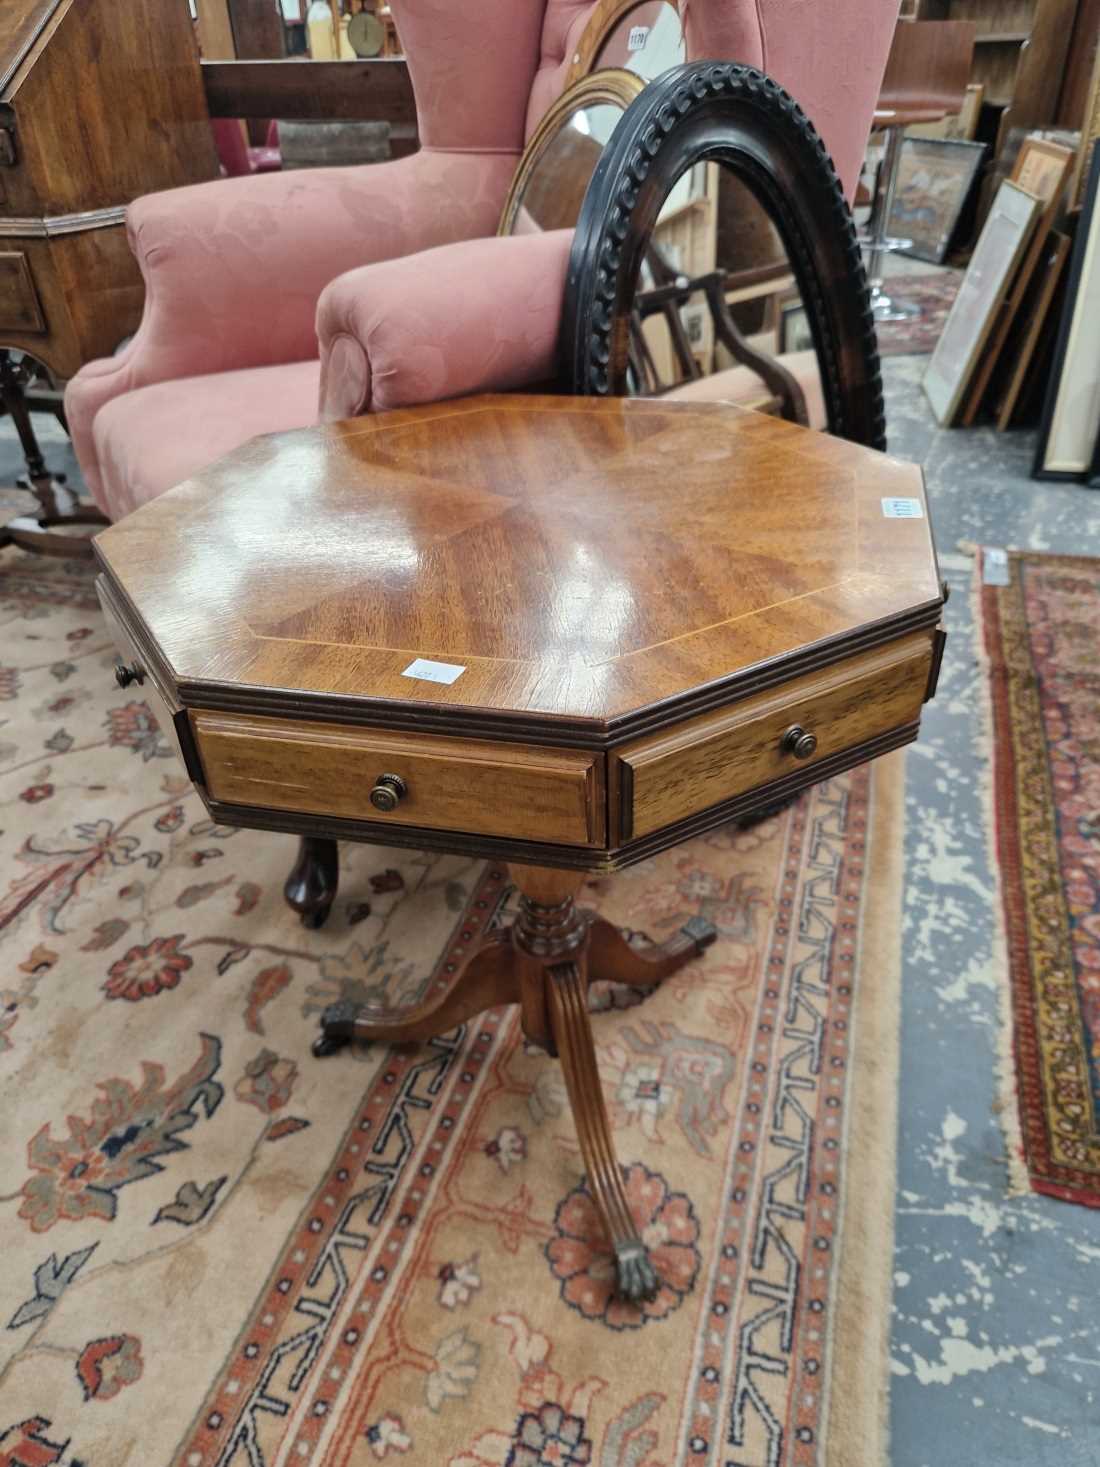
472,785
669,776
147,690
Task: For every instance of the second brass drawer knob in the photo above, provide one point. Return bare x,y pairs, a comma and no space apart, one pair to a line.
798,742
124,675
388,792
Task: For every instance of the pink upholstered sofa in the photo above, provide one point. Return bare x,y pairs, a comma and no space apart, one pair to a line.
276,299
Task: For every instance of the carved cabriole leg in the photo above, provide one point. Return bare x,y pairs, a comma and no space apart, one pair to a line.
311,886
486,978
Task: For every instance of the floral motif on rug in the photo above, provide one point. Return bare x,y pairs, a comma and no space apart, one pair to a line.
1041,634
220,1251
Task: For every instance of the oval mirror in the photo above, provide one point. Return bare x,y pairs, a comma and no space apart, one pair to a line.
643,36
557,164
715,258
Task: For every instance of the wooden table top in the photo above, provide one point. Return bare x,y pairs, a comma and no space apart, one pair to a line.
579,559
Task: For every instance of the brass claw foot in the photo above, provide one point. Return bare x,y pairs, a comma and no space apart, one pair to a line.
337,1029
637,1278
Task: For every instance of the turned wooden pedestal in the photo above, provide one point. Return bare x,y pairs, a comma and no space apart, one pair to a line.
563,633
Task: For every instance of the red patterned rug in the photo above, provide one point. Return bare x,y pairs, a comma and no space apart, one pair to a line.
934,294
221,1252
1041,637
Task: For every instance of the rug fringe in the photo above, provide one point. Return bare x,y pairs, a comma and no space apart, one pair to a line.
1006,1103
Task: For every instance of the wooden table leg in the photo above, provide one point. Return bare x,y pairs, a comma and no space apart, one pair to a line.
542,962
311,886
487,978
567,1001
612,956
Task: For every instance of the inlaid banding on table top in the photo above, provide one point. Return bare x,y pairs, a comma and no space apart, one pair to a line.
557,549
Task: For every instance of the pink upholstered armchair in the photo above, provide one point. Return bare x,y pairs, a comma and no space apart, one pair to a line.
276,299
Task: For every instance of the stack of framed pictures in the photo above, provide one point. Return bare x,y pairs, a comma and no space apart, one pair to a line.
1007,293
1069,436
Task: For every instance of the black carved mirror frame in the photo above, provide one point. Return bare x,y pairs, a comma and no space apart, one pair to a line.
740,118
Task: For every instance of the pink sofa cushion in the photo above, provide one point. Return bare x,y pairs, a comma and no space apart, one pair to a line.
148,440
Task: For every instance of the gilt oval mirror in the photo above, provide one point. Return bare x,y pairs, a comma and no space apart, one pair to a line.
558,162
643,36
715,258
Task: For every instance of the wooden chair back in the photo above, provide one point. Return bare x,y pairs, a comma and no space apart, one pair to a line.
928,68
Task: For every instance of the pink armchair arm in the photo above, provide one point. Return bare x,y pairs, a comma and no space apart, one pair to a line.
233,269
481,316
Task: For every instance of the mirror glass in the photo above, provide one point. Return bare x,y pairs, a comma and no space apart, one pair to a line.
554,189
717,313
647,40
560,158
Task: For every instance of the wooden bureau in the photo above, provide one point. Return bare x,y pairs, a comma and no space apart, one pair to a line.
100,101
561,632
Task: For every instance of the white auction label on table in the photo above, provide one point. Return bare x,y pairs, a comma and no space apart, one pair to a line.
902,509
433,672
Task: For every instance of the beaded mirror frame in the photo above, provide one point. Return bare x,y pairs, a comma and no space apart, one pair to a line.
740,118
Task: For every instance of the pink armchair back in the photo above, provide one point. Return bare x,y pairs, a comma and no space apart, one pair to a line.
242,274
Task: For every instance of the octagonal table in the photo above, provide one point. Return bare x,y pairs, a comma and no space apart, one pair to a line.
564,632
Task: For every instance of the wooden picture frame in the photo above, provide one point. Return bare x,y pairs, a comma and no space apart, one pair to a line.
1071,411
962,126
992,267
1090,133
1038,307
1041,168
935,177
795,332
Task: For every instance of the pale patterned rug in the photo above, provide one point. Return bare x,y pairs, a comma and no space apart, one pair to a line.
218,1250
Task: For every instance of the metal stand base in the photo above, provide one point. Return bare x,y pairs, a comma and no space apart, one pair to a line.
883,308
878,243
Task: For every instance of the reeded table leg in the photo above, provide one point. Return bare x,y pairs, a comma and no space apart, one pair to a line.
311,886
567,1000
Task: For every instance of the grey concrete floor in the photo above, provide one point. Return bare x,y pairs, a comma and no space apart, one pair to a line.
996,1332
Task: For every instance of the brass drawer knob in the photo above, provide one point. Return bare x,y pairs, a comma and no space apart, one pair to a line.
798,742
124,675
388,792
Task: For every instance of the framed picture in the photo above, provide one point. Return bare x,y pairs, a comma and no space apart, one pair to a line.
1041,168
794,327
1031,322
992,266
935,176
1090,132
962,125
1071,412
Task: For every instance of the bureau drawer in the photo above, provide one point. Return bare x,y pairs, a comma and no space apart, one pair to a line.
669,776
472,785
